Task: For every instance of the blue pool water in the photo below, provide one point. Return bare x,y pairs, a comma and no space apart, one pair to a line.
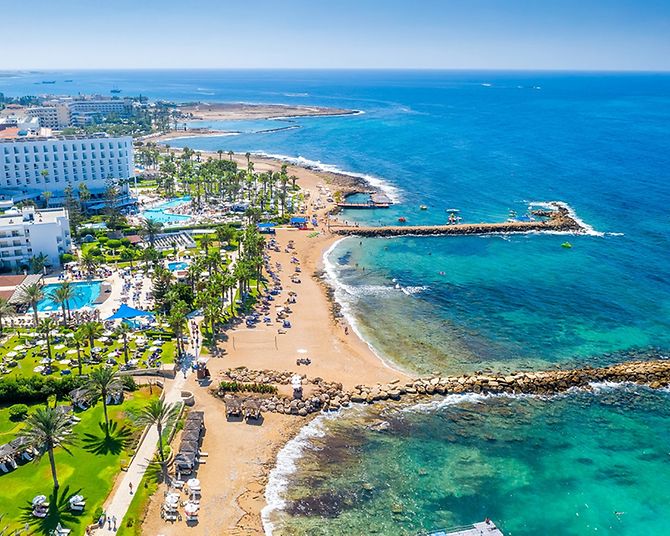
175,266
85,293
162,214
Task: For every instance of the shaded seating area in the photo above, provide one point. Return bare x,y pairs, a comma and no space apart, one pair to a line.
13,452
189,447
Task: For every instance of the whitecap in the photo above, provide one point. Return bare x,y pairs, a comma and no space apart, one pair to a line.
285,466
391,191
587,229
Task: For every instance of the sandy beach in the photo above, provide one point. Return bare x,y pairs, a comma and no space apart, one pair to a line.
231,111
241,455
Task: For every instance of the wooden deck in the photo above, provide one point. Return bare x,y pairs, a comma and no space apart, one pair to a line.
478,529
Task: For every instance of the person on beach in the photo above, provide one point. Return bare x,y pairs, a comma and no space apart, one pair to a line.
130,484
346,330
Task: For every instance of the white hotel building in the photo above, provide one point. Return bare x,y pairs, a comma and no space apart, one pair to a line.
32,165
30,232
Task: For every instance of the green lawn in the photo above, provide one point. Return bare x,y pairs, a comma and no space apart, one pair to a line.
27,360
89,471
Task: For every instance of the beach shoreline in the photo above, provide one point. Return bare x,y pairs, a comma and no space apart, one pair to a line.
235,488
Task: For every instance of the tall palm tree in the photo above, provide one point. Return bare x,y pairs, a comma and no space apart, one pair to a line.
32,294
158,413
91,330
230,155
150,228
88,262
102,382
62,295
38,263
46,327
45,429
123,331
79,338
6,311
205,242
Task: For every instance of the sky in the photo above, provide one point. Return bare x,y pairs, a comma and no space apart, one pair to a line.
431,34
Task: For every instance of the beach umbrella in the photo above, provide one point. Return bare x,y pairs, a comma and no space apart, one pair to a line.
38,369
191,509
193,483
64,362
71,352
20,347
45,361
11,354
39,499
59,347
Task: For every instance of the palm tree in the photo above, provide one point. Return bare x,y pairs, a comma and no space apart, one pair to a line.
6,311
45,429
220,153
205,242
91,330
79,338
38,263
150,228
47,194
62,295
46,327
32,294
88,262
160,414
230,155
123,331
102,382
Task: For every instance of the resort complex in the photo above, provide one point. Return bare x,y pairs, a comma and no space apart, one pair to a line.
406,281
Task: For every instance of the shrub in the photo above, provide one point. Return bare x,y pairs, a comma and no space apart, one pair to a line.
95,251
237,387
114,244
129,383
66,257
18,412
32,389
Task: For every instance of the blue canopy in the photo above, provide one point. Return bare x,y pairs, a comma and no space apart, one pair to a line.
125,311
298,220
267,225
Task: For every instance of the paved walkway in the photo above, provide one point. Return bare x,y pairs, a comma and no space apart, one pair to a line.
120,502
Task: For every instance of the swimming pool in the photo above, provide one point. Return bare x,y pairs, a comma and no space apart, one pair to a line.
161,212
85,293
175,266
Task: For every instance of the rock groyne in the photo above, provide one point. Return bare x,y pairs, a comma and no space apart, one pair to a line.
558,220
330,396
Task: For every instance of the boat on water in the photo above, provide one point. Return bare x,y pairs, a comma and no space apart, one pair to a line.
115,90
402,219
566,245
68,80
423,207
48,81
454,218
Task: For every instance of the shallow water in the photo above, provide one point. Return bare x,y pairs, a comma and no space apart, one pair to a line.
571,465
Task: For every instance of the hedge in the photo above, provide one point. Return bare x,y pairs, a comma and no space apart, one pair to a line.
32,389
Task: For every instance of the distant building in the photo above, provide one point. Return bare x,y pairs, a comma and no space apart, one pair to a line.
86,111
32,165
55,117
30,232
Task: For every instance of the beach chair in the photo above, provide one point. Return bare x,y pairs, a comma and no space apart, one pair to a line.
61,531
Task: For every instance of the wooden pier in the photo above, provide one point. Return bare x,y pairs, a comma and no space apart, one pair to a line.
485,528
556,220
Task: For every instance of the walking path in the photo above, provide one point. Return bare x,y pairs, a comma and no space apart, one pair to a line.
118,505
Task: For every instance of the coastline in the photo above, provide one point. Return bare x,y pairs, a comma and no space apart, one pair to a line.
235,480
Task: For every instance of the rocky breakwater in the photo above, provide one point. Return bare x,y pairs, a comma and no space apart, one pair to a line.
319,394
330,396
552,220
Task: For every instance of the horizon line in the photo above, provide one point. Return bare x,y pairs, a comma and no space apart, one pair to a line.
425,69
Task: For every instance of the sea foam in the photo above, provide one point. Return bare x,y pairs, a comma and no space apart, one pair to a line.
393,193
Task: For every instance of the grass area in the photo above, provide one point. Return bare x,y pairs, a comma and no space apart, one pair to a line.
27,359
89,471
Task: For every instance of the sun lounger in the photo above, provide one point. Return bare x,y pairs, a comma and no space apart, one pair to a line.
61,531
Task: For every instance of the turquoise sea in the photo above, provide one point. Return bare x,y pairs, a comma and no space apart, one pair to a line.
484,143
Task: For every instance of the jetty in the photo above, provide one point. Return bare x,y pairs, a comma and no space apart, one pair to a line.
377,200
331,396
485,528
552,220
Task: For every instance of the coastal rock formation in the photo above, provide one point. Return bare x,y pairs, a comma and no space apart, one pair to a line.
330,396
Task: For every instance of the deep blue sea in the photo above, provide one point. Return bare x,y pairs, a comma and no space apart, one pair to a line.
484,143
